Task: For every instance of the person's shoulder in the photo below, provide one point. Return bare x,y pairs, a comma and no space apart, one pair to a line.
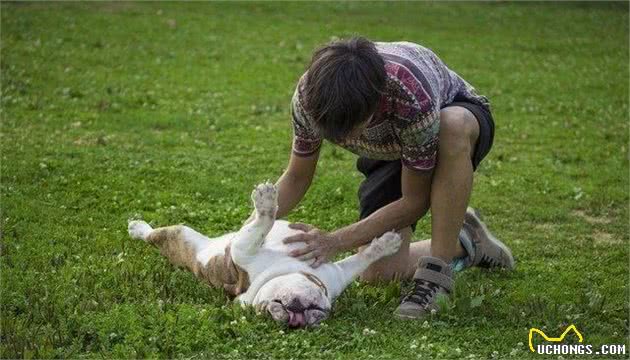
403,81
400,48
406,53
398,58
406,75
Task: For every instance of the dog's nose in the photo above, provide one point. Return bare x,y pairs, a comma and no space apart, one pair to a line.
295,306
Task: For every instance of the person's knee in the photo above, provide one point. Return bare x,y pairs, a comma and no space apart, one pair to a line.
458,131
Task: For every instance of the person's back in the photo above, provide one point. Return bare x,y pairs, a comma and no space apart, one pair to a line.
442,84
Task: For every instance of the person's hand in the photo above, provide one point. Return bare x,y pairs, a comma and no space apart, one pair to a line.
319,245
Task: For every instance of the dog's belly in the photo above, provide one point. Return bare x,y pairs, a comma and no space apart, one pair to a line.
209,248
279,232
273,257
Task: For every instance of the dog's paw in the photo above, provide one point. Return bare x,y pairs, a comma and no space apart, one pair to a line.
265,198
139,229
387,244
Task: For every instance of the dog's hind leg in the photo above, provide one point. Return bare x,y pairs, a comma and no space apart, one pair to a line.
208,259
250,238
180,244
348,269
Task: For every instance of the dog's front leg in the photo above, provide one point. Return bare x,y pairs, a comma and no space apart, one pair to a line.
250,238
350,268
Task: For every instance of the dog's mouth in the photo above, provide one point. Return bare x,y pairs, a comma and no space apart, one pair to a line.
296,319
297,316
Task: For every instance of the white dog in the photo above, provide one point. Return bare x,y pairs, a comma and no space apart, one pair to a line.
255,258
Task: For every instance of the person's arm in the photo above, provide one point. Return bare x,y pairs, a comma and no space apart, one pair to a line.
418,156
293,183
414,203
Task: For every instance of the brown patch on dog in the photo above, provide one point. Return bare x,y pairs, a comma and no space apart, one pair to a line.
315,280
220,271
591,219
604,238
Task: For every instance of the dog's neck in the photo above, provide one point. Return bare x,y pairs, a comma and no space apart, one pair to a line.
315,280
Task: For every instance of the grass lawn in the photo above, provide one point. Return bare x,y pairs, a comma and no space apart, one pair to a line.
172,112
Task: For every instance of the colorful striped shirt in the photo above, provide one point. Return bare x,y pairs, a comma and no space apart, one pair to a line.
407,121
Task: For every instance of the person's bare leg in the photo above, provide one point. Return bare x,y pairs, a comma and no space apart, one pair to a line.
417,250
452,181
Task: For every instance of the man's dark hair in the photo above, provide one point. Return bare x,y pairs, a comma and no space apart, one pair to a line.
343,86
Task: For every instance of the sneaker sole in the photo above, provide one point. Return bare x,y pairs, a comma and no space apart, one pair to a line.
474,218
409,317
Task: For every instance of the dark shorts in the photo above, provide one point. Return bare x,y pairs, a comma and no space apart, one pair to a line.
382,177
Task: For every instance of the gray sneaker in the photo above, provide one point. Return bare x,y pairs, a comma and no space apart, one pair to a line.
489,252
433,278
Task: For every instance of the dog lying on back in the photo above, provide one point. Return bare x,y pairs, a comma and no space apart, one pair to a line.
255,263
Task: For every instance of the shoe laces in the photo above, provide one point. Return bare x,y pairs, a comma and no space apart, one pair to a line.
421,293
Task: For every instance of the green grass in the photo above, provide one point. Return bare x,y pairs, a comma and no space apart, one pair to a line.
174,111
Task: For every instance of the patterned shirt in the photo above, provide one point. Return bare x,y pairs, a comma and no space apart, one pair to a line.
407,121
